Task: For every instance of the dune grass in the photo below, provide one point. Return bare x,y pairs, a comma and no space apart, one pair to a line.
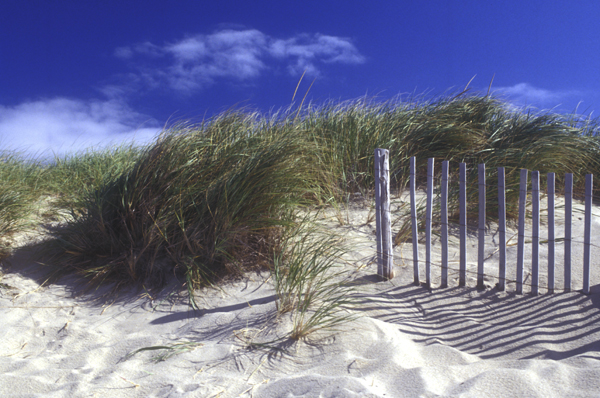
34,190
203,202
310,280
470,129
20,180
211,200
71,178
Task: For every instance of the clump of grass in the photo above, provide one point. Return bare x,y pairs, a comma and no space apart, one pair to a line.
310,281
19,190
203,202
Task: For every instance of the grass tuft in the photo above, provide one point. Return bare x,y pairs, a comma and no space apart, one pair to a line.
310,281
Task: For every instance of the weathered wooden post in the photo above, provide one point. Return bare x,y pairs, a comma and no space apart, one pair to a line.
462,276
378,213
521,238
444,221
413,216
587,235
428,221
386,269
502,228
568,224
481,231
535,235
551,238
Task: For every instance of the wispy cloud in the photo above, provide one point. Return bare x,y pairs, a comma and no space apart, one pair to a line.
526,95
62,125
59,125
306,51
197,61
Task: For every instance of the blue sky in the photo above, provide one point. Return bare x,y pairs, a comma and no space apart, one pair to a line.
79,74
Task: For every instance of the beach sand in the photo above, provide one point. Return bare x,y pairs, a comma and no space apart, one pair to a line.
408,341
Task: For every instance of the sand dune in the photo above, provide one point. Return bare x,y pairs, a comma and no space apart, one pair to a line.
409,341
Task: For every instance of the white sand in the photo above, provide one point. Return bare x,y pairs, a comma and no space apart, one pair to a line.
409,342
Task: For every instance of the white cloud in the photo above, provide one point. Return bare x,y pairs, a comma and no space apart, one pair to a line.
123,52
307,50
200,60
146,48
62,125
59,125
524,94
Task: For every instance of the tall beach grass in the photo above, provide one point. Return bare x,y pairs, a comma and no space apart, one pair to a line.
211,200
204,202
20,180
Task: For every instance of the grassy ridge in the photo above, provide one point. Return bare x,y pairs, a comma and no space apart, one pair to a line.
215,198
470,129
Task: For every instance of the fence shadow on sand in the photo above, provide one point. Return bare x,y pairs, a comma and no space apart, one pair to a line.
493,324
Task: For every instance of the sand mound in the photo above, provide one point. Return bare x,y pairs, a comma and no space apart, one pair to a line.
408,342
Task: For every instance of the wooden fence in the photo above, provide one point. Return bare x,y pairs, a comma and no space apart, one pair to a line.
384,236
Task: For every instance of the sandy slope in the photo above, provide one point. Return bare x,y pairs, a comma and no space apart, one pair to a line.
409,341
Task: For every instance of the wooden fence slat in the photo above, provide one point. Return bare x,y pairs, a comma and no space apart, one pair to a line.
568,224
589,180
428,221
386,222
535,234
551,238
502,229
378,212
481,252
444,221
462,278
413,215
384,239
521,238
